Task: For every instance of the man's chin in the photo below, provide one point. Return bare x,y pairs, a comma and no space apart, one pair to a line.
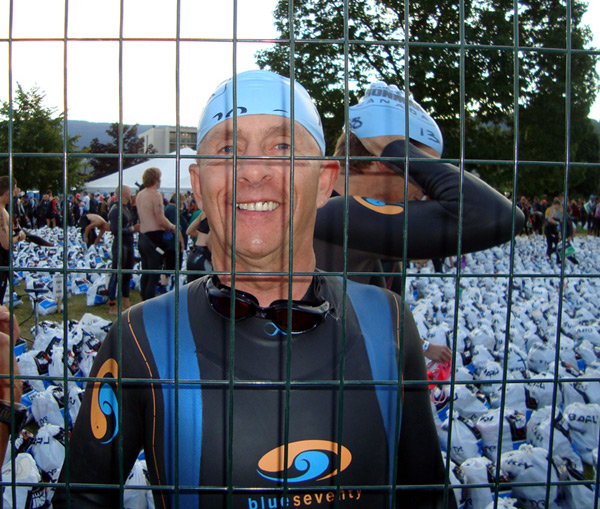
270,250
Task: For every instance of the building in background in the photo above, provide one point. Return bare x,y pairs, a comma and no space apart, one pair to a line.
164,138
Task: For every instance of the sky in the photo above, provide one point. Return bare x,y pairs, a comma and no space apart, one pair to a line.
149,67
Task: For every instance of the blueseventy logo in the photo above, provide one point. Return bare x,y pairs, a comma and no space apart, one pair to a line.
307,460
104,414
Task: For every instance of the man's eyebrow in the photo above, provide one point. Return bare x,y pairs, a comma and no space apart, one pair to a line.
227,133
281,129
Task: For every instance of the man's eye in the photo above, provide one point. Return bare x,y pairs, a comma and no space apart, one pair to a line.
283,146
227,149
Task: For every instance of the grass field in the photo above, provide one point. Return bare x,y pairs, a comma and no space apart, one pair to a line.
76,308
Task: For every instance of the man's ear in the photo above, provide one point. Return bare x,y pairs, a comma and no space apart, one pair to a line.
329,173
196,187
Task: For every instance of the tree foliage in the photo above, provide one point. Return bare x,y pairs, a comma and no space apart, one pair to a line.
38,141
483,75
131,145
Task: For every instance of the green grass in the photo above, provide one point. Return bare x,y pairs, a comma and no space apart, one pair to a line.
76,308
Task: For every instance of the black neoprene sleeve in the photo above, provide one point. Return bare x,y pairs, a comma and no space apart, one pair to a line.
433,225
419,461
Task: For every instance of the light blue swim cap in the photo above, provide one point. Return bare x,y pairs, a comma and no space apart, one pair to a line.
382,112
261,93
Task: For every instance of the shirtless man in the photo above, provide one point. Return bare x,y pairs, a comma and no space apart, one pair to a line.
89,223
9,385
153,228
5,228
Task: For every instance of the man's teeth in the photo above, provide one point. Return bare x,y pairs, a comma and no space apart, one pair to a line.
260,206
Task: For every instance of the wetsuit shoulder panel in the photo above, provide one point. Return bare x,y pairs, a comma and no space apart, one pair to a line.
379,331
169,334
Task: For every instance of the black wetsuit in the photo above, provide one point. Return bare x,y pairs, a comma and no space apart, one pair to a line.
84,222
153,247
127,253
199,258
231,429
5,262
170,256
376,229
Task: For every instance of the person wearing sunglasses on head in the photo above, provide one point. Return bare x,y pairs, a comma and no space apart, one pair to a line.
382,224
269,383
378,223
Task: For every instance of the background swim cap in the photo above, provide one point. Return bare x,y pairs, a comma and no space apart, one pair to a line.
381,112
261,93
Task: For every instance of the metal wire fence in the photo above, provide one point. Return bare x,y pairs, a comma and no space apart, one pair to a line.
485,310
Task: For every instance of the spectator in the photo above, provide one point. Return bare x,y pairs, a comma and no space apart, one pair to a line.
155,230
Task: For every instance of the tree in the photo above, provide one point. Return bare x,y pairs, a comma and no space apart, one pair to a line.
131,145
477,78
36,129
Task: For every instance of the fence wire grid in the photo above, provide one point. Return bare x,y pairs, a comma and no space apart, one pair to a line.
440,300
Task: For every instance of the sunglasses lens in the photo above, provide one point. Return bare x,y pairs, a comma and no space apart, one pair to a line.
301,320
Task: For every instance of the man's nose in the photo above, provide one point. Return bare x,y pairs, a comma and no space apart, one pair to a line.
254,168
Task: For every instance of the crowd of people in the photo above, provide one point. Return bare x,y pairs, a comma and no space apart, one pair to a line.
548,217
35,211
98,213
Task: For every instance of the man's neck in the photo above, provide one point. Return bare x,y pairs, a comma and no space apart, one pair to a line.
262,283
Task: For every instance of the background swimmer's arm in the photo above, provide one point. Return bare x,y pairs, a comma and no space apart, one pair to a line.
192,229
419,458
433,224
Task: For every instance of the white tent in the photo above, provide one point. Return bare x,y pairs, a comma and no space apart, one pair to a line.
133,176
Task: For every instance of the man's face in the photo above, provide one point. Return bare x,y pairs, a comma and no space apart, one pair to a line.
263,201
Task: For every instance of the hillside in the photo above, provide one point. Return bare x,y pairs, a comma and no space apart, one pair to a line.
87,131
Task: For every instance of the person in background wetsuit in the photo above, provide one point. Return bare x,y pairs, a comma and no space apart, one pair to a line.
127,227
198,258
88,224
377,209
377,205
171,212
552,228
354,417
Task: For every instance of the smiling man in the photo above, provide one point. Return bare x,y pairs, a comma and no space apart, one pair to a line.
266,384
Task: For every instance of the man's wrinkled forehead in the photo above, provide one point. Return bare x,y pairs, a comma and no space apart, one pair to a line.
263,126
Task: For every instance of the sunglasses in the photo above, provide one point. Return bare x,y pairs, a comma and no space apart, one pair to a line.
305,316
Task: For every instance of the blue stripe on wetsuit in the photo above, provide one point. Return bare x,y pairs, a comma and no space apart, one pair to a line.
159,323
370,305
